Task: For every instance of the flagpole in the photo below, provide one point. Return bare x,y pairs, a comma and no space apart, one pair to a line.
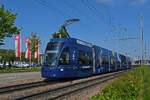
30,50
38,58
18,47
38,52
28,53
30,59
20,51
20,61
38,61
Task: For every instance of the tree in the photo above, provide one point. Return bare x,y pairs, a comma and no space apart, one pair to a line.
60,34
7,55
7,28
34,40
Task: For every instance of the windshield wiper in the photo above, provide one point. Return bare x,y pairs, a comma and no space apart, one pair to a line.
46,64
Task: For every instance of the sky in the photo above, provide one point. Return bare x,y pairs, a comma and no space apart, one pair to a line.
100,20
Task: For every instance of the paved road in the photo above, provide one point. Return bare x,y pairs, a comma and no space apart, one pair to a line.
8,77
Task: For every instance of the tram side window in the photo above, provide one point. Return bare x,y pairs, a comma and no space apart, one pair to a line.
90,57
118,63
99,60
65,57
84,58
105,60
123,58
129,62
112,61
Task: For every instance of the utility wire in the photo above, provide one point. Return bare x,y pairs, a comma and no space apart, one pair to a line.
107,11
94,8
97,12
112,21
74,8
78,10
51,6
89,7
118,27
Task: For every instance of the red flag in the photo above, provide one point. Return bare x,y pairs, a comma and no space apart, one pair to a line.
27,54
17,45
36,54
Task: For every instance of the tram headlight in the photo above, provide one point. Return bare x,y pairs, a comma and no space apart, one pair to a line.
61,69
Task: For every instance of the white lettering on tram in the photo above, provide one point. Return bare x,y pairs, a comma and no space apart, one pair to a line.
52,51
85,67
84,43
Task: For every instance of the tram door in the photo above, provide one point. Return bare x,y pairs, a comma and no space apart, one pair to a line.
74,58
94,70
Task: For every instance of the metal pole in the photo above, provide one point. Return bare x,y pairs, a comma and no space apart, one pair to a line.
30,50
38,60
141,40
30,58
109,61
20,53
20,62
145,58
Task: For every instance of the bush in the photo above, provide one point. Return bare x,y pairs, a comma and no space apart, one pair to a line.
19,70
134,85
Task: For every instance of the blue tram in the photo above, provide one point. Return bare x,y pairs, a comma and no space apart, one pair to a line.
71,58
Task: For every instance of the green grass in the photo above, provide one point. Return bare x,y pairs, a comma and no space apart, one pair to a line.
19,70
146,84
134,85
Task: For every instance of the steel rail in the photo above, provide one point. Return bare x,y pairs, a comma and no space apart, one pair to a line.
65,90
19,87
85,87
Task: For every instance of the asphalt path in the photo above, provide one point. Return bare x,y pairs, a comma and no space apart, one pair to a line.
10,77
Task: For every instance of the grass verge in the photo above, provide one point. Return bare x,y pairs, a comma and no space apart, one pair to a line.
19,70
134,85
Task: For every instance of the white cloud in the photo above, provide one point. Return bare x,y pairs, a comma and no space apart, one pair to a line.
138,2
133,2
104,1
111,1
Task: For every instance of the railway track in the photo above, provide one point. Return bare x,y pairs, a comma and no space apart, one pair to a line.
19,87
66,90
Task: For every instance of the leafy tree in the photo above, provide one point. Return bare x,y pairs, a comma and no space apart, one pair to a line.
7,56
34,40
7,28
60,34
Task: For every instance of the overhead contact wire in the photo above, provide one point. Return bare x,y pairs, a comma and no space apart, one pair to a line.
50,5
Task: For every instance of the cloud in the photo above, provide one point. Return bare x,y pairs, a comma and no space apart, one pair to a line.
111,1
104,1
132,2
138,2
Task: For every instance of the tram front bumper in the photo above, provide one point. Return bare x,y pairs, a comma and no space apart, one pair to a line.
57,73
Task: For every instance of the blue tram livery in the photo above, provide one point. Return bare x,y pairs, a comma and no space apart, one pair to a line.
71,58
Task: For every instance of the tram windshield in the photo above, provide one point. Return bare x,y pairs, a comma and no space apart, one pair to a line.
52,52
